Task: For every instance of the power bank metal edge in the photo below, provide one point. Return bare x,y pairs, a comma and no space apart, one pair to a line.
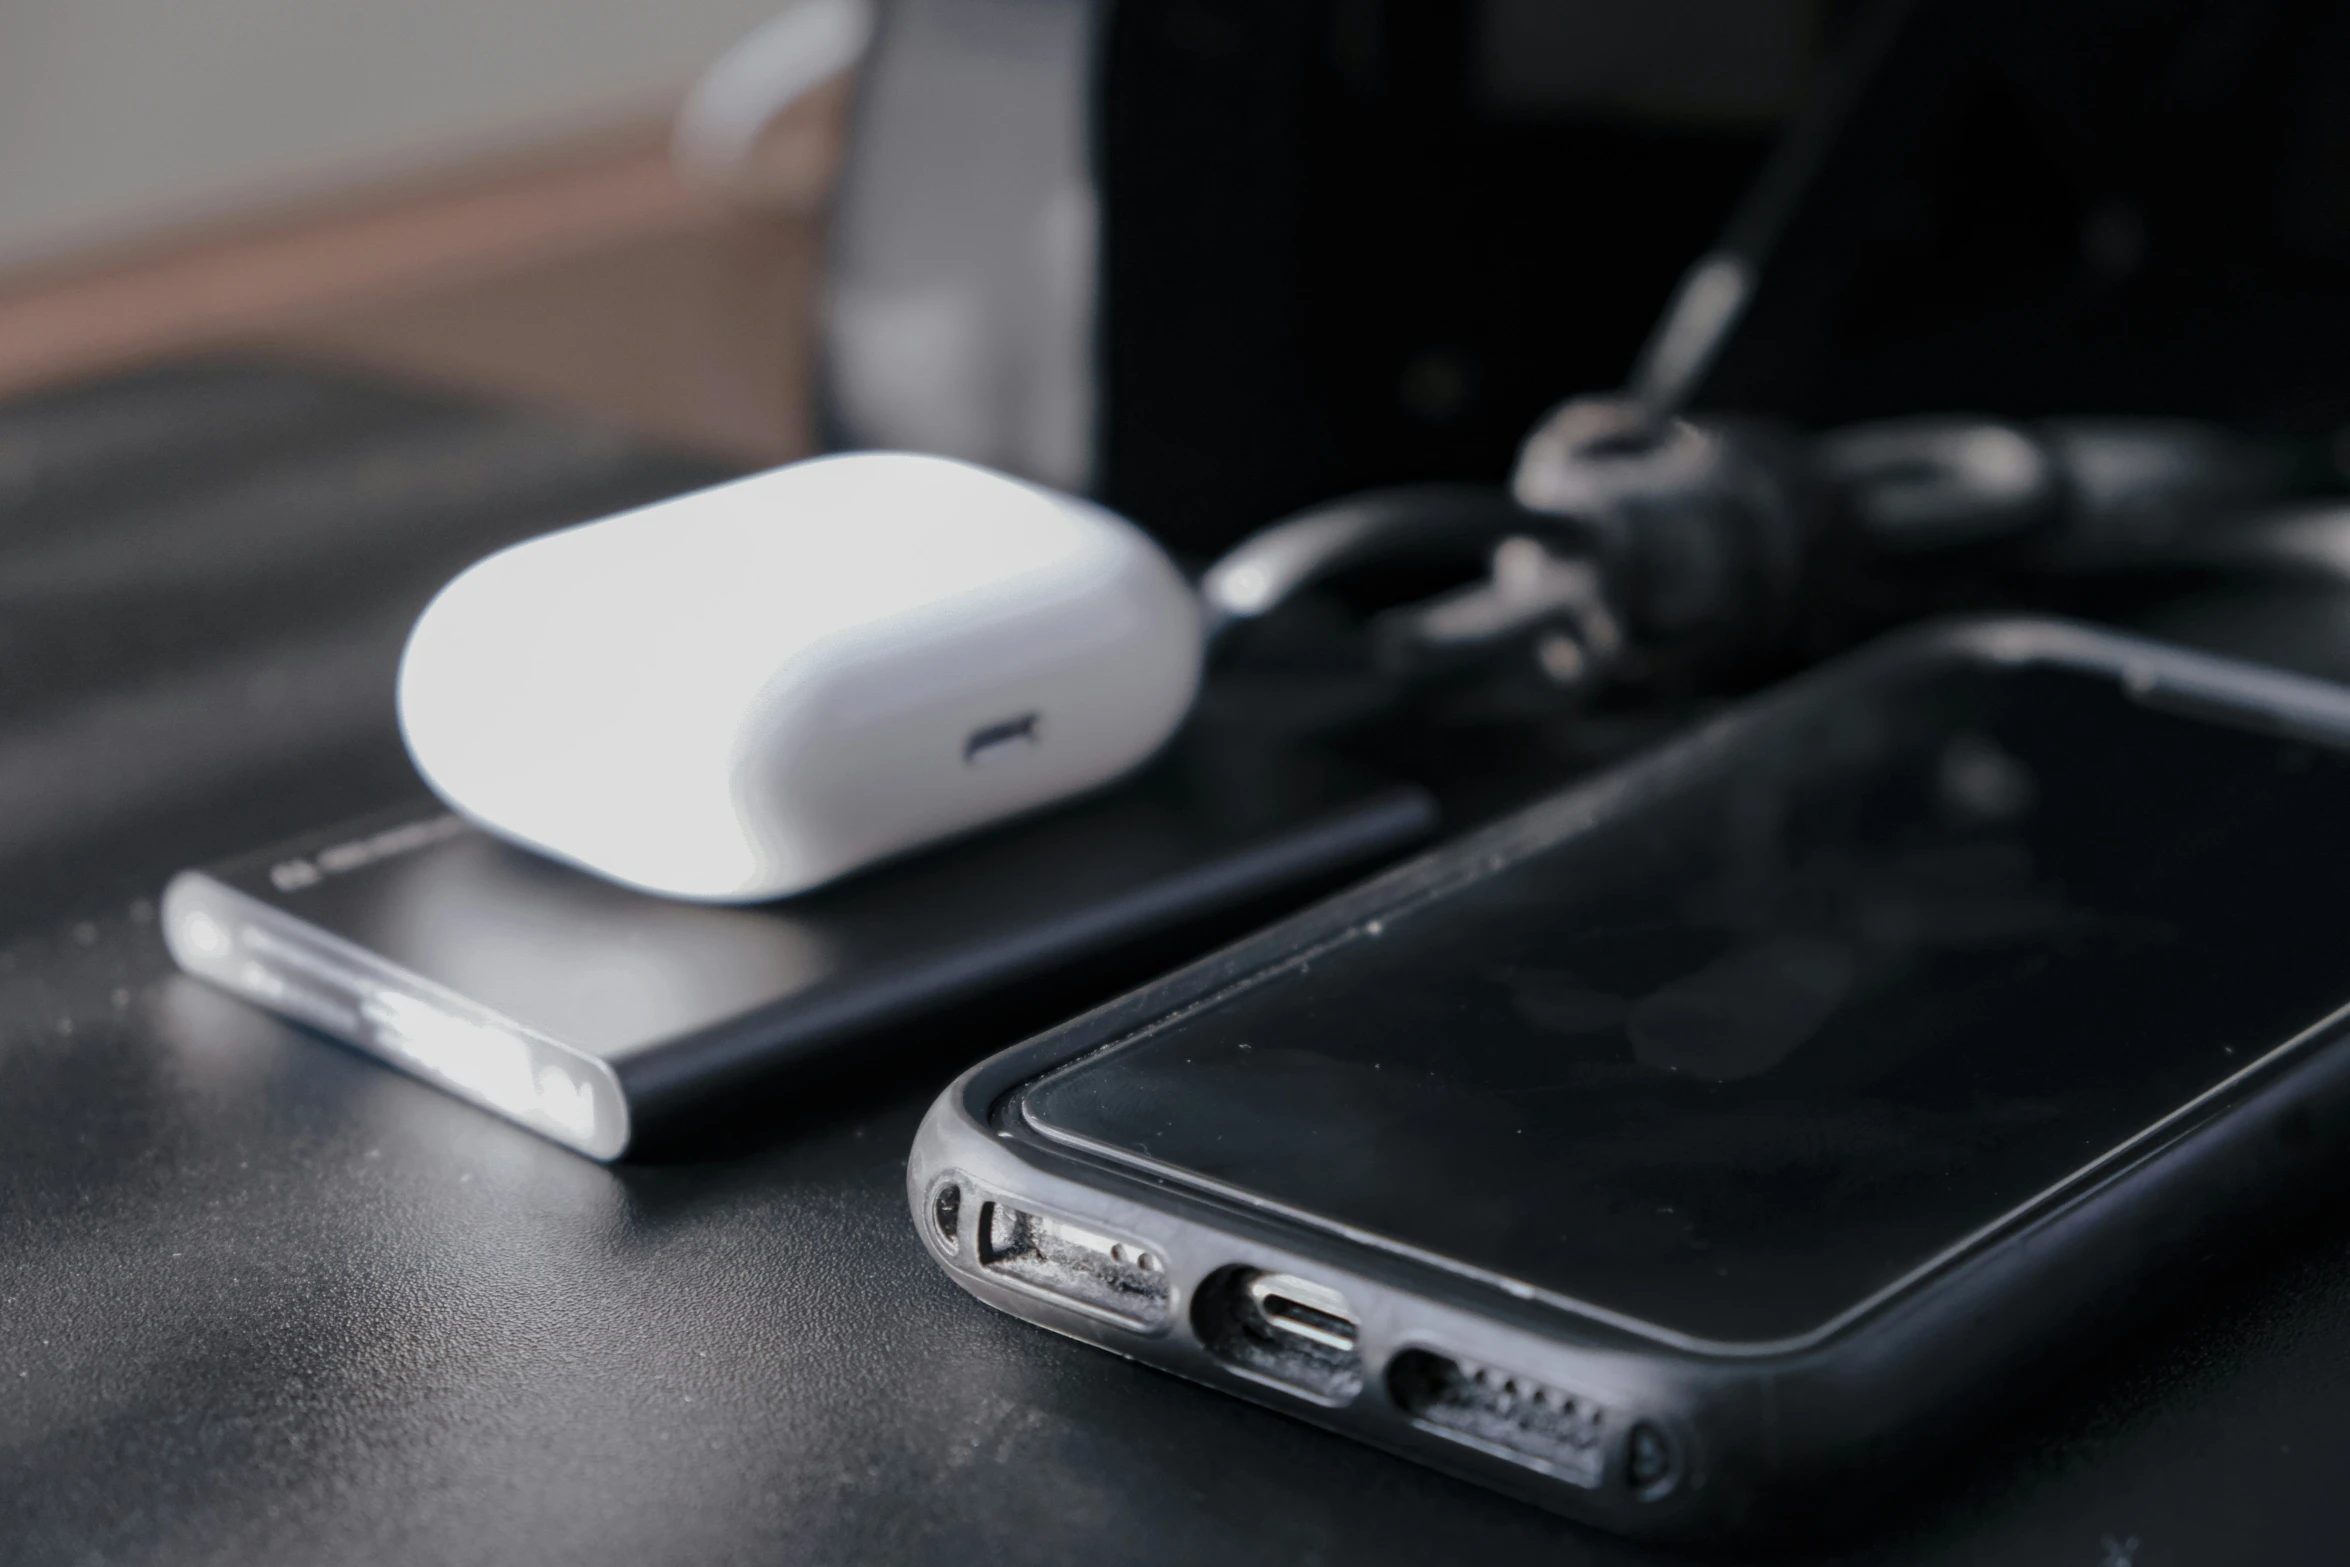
242,926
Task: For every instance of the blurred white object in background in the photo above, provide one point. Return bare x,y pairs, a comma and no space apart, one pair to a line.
959,304
724,132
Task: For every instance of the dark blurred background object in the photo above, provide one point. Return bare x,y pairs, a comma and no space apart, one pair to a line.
1303,248
1365,242
2104,206
1217,259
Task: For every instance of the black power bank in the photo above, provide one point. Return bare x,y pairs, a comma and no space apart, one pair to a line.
599,1016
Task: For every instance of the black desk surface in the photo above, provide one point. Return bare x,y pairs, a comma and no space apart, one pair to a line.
264,1301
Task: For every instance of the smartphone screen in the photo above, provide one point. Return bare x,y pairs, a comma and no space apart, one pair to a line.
1740,1053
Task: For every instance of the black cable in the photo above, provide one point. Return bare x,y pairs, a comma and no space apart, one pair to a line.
1633,550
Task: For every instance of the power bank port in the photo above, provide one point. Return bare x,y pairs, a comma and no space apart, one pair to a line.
1115,1277
1279,1328
1509,1416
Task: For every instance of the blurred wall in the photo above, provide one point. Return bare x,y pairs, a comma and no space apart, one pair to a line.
119,118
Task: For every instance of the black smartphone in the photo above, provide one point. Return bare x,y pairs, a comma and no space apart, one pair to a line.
1692,1149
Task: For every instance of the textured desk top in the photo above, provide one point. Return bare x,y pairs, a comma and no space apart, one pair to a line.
262,1301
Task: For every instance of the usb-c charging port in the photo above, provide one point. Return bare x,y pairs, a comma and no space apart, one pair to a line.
1114,1277
1291,1307
992,741
1279,1328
